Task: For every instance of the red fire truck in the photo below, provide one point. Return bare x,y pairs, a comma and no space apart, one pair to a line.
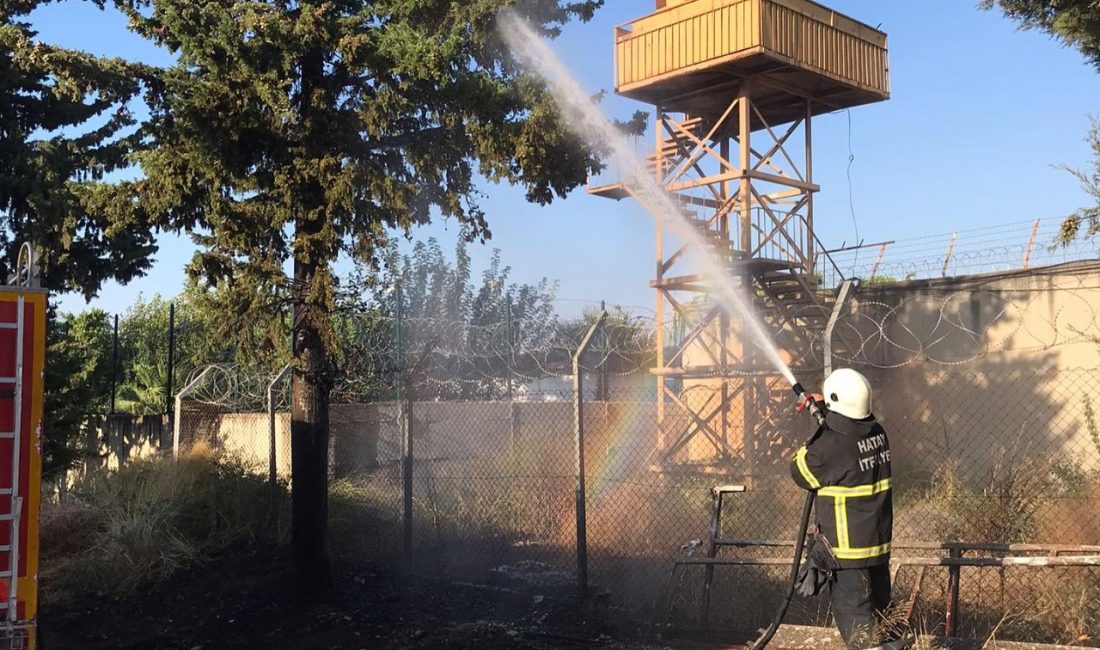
22,363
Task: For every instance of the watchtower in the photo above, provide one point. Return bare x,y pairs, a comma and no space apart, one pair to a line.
736,84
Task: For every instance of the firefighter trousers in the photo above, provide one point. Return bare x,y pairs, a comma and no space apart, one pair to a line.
860,598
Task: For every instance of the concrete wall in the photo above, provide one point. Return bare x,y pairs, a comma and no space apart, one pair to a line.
354,434
365,437
111,441
977,371
984,370
1045,316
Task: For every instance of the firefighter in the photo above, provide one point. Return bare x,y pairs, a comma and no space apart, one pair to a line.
847,464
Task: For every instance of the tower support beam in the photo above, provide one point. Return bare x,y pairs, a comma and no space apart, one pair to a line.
733,146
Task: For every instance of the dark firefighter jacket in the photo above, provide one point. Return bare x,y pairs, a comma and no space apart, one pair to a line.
847,463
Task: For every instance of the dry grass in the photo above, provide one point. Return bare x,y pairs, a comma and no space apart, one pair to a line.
365,520
1005,505
119,530
1062,607
1018,499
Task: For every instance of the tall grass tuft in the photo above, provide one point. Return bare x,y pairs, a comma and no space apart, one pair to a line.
119,530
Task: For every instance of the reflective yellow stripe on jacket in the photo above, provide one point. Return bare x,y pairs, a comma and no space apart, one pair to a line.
840,495
861,553
804,469
857,491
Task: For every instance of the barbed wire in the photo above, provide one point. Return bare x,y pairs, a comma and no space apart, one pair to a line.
965,252
949,323
952,326
227,386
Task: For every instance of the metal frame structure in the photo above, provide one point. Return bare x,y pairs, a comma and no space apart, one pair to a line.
177,416
736,84
758,209
750,193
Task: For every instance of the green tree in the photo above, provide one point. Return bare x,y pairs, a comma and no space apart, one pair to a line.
1075,23
64,128
199,341
299,130
78,380
433,290
143,357
478,330
506,320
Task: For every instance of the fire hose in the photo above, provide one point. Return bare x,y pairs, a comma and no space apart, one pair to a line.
800,540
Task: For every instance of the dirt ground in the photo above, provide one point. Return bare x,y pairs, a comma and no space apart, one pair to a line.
242,601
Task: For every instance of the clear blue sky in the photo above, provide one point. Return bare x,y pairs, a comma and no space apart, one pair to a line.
981,113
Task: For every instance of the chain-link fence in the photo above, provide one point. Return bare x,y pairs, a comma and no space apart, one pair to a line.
493,497
471,470
223,409
979,457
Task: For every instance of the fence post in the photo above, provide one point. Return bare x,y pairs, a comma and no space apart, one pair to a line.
272,442
878,260
953,575
176,419
827,337
171,356
1031,244
508,334
513,430
513,459
578,430
601,377
404,421
398,342
947,259
114,366
405,429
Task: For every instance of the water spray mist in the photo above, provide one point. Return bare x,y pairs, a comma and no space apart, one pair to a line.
586,121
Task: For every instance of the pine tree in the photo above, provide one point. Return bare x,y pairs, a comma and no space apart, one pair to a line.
303,130
64,128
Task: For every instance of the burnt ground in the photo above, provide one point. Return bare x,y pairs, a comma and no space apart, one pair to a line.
243,601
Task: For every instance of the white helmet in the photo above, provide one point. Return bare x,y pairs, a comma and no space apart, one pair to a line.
848,393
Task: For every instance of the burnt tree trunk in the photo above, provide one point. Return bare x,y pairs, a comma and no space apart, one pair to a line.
311,384
309,432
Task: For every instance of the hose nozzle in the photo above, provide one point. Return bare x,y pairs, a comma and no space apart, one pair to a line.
805,397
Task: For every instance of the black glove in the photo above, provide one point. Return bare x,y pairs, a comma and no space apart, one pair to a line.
818,569
811,579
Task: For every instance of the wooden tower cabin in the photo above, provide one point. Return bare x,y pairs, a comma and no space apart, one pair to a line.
736,84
